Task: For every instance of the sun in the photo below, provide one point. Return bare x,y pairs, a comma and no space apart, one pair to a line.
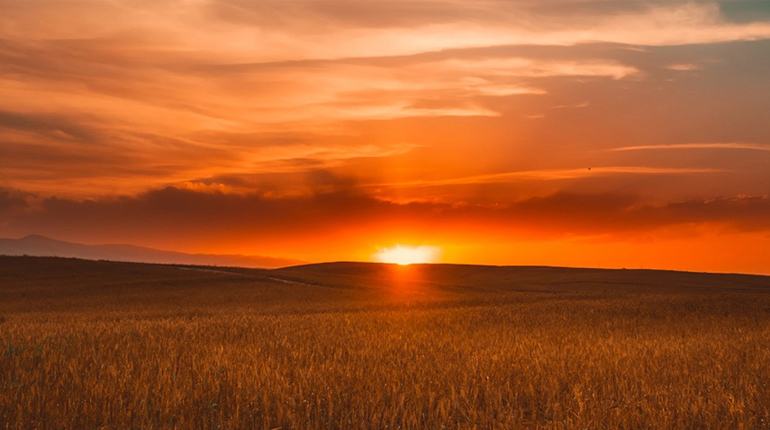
407,254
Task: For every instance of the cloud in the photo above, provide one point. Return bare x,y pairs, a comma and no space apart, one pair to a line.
725,145
78,113
253,96
13,200
684,67
524,67
193,218
51,125
552,174
403,28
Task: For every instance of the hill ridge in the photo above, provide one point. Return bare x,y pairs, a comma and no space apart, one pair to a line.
43,246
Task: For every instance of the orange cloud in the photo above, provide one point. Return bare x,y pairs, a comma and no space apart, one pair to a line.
215,221
726,145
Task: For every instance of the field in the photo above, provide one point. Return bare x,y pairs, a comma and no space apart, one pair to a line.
103,345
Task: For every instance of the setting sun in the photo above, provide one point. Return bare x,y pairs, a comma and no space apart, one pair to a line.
406,254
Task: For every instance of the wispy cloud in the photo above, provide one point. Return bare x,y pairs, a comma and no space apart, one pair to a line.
727,145
182,91
175,215
551,175
404,28
684,67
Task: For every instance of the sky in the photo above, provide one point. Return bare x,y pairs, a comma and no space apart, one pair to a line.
571,133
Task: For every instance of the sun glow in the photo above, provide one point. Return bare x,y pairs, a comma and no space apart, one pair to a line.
407,254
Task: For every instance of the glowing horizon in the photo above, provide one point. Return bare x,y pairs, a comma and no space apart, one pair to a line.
404,255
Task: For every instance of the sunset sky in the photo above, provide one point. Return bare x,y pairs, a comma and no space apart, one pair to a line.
600,134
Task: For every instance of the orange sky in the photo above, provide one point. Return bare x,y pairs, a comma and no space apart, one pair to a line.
608,134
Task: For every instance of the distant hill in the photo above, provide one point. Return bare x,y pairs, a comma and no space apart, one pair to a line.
543,279
28,283
41,246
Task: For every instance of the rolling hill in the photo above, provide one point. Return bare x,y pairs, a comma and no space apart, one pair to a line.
31,282
105,344
479,278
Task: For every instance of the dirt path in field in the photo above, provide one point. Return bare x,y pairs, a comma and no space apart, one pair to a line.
272,278
212,271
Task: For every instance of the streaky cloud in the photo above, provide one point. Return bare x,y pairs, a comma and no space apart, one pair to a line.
553,174
727,145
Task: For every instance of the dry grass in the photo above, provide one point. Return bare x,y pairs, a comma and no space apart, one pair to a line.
299,356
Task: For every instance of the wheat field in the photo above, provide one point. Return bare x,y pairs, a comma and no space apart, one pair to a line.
97,345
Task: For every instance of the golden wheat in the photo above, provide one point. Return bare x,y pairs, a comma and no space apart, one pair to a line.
149,357
646,362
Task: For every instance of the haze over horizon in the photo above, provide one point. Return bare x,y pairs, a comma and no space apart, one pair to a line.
565,133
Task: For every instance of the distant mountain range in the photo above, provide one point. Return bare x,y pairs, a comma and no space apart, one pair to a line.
35,245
